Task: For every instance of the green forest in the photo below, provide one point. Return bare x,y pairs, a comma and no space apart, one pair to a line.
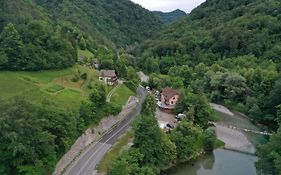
37,35
230,51
170,17
231,54
225,51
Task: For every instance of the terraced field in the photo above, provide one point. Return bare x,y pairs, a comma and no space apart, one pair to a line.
55,85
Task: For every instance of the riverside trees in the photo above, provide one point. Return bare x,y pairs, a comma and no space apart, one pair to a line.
270,155
153,149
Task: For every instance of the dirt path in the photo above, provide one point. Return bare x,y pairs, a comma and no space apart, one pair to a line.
112,91
143,77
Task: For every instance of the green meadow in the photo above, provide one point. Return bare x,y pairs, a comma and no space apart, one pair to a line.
57,86
121,95
54,85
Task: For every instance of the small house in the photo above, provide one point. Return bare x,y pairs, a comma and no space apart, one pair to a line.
109,77
169,98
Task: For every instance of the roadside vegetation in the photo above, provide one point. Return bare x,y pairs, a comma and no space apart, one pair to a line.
154,150
117,149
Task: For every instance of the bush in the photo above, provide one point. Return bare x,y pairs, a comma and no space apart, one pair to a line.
75,78
132,85
55,88
84,76
114,109
210,139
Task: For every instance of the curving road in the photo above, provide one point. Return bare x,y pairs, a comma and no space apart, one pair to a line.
86,163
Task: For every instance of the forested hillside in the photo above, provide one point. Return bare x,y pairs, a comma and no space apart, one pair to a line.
240,37
229,50
169,17
218,29
122,21
38,34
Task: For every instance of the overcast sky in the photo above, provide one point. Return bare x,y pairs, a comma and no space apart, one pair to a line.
169,5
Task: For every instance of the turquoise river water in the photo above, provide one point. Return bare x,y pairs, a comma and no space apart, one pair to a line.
222,161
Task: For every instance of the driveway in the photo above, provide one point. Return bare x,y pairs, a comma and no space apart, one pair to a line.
164,118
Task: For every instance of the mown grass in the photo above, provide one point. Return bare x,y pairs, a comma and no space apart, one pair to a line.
114,152
47,76
54,85
85,53
121,95
55,88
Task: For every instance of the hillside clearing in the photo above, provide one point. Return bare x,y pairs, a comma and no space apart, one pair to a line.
55,85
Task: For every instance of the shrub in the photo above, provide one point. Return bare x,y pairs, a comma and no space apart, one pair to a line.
210,139
84,76
75,78
132,85
55,88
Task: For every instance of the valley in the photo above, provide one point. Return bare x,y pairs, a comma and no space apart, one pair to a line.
109,87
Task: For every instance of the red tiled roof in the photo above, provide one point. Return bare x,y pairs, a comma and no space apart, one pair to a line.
108,73
169,93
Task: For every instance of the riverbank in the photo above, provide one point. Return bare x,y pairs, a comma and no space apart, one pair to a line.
232,159
221,109
234,139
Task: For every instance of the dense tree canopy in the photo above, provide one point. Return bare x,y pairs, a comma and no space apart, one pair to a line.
39,34
37,47
270,156
33,137
122,22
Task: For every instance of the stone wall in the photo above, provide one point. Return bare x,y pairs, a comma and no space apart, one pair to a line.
92,135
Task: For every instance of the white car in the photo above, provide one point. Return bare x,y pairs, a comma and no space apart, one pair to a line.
180,116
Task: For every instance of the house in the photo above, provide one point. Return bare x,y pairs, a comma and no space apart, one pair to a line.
109,77
169,98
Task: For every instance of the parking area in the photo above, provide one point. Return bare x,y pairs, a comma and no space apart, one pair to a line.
164,118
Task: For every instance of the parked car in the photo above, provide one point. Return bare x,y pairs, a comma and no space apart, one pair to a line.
147,88
170,126
178,119
180,116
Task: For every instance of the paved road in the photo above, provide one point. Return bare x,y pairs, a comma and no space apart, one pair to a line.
87,162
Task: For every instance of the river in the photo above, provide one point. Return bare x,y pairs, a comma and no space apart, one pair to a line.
223,161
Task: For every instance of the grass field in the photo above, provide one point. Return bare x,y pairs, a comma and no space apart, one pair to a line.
121,95
55,85
85,53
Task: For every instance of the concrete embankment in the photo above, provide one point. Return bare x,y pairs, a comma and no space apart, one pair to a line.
91,135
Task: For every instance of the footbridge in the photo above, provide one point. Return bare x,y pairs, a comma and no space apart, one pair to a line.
240,129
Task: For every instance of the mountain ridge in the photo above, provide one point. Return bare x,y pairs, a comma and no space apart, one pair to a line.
170,17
